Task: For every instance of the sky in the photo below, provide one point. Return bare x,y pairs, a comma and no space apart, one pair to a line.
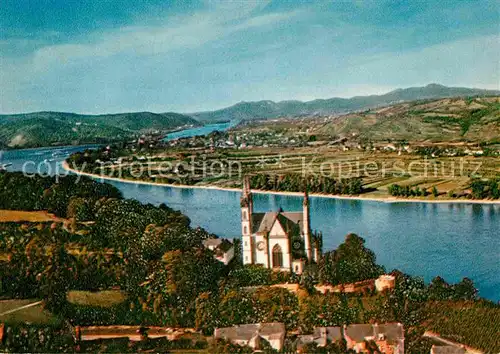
104,56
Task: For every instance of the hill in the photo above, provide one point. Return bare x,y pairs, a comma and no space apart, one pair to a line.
58,128
271,109
448,119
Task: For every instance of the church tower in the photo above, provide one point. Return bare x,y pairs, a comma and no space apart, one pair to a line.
307,227
246,204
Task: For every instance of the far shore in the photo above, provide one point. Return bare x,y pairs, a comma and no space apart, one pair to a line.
388,199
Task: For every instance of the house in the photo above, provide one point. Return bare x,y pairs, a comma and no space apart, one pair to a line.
390,147
447,349
385,281
322,336
388,337
251,335
222,248
446,346
278,240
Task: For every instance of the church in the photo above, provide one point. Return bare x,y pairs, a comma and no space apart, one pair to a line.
279,240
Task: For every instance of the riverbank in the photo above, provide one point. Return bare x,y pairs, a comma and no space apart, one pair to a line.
387,199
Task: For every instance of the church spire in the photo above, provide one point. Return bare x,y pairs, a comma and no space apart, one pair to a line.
307,225
246,196
246,221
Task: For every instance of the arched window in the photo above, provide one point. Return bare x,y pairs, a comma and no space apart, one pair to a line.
245,230
277,256
244,215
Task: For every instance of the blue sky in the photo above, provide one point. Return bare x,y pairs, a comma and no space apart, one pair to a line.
101,56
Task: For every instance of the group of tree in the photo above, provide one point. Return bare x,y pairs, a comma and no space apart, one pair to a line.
479,189
485,189
23,192
296,182
349,263
407,191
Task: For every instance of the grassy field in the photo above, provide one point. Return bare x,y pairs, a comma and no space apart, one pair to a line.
106,298
31,216
35,314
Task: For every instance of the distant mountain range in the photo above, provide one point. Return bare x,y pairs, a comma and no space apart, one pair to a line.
271,109
57,128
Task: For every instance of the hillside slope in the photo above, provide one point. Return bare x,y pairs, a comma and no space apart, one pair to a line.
449,119
48,128
271,109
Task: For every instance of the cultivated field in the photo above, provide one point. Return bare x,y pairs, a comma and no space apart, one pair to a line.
378,169
35,314
30,216
106,298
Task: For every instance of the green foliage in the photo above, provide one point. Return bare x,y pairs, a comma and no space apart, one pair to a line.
330,348
34,339
349,263
255,275
43,339
483,189
406,191
440,290
295,182
156,240
327,310
476,324
19,192
172,287
224,347
49,128
246,306
120,223
80,209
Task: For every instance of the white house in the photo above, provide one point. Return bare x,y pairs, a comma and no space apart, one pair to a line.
222,248
251,335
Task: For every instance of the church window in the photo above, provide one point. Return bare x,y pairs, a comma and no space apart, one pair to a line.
277,257
246,244
244,215
245,230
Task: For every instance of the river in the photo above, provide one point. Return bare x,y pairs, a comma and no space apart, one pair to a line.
426,239
203,130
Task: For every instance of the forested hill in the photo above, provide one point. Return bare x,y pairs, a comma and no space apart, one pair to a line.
48,128
271,109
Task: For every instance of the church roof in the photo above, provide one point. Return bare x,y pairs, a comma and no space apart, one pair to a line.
290,221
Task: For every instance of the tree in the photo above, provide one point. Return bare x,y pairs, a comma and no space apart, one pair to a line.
465,290
351,262
439,289
80,209
176,282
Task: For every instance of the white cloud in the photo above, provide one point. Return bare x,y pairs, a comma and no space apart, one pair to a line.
183,32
